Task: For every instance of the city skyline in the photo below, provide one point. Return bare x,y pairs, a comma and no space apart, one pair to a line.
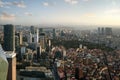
80,12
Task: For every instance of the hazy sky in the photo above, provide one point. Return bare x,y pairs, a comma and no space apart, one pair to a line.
103,12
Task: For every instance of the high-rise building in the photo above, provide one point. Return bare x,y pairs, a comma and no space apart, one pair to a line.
99,31
54,34
9,47
23,50
102,31
11,57
32,28
38,52
108,31
21,38
36,36
9,37
62,33
40,30
42,40
16,41
29,38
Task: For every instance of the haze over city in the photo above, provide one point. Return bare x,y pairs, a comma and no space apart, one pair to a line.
75,12
59,39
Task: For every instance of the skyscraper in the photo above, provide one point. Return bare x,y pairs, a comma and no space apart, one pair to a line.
40,30
32,28
21,38
102,31
29,37
54,33
36,36
9,47
108,31
38,52
11,57
99,31
42,40
17,41
9,37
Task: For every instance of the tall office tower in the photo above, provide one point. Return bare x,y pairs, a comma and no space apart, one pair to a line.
9,47
21,38
3,65
22,52
108,31
49,43
29,38
62,33
18,39
38,52
11,57
99,31
102,31
40,30
42,40
9,37
36,36
54,33
48,46
32,29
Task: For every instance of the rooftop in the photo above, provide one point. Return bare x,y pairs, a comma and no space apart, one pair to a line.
10,54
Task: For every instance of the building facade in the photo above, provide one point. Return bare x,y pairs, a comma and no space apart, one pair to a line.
9,37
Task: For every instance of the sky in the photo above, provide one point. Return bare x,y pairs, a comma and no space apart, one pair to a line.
76,12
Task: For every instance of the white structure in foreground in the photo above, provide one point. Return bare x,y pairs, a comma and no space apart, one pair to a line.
3,65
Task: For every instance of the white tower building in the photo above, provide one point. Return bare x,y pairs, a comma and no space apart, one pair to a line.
36,36
29,38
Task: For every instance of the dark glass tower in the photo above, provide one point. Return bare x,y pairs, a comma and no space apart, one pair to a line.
9,37
54,34
32,28
40,31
